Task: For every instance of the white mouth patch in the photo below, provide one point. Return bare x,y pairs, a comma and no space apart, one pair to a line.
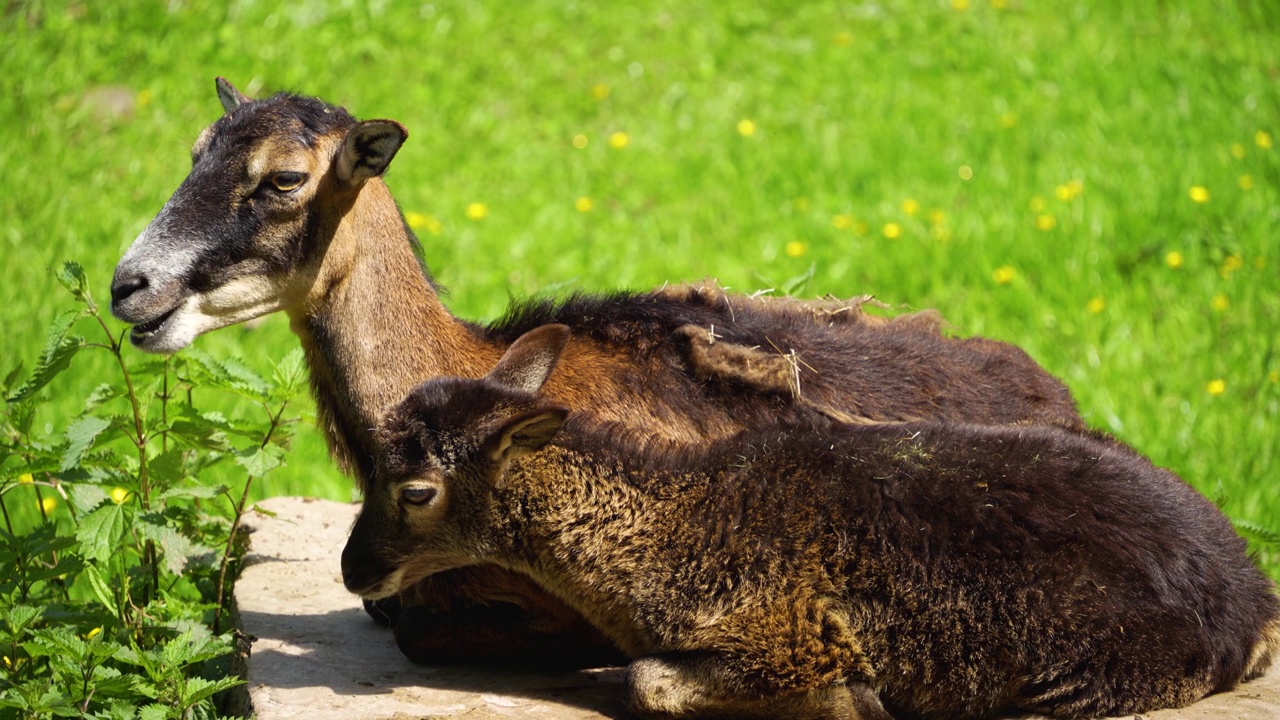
236,301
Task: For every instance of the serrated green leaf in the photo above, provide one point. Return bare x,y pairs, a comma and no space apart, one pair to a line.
59,349
153,712
100,531
102,394
168,468
80,436
290,375
1263,533
177,548
86,496
101,590
260,461
66,565
12,376
204,492
71,276
19,617
245,379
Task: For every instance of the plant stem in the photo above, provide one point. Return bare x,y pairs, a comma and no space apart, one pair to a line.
235,527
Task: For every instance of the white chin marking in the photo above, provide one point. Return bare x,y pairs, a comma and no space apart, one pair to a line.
235,302
388,586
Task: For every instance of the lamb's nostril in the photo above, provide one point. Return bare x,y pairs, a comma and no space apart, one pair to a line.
123,287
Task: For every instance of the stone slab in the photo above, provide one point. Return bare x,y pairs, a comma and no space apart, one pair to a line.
317,656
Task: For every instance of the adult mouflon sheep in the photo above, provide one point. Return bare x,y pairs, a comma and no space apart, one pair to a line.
285,210
840,571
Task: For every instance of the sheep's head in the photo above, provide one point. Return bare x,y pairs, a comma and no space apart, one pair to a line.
242,232
443,449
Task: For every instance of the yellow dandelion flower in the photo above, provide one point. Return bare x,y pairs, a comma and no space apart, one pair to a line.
415,220
1036,204
801,204
965,172
1216,387
1198,193
960,4
910,207
119,495
796,248
1173,259
1220,303
1096,305
843,38
600,91
93,633
7,662
1230,264
1045,223
1246,182
1063,192
580,141
1237,151
1262,139
583,204
842,222
937,217
1008,119
619,140
1274,376
26,479
1004,275
746,128
477,211
893,231
144,98
47,504
1069,190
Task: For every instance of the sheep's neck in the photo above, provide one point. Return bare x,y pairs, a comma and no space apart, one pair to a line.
572,536
372,327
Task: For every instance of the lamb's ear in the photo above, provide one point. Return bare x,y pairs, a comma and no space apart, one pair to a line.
368,150
531,359
526,432
228,95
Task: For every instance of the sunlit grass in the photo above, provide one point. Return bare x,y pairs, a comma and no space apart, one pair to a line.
1096,182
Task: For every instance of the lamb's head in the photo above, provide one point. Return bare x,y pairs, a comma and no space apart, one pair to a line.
443,450
240,236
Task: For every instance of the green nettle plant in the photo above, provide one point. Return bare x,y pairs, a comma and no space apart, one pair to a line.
117,553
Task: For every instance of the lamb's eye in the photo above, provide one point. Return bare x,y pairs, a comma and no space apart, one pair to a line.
417,495
287,181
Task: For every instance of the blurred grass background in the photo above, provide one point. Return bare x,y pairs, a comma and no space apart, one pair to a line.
1096,182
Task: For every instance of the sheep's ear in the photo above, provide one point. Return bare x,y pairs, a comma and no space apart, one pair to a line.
531,359
368,150
228,95
526,432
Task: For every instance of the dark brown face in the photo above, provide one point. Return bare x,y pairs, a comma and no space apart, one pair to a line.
234,239
444,448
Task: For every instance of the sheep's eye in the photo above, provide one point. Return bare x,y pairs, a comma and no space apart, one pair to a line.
417,495
287,181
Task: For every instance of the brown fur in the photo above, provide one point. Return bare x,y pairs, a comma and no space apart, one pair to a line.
949,570
683,363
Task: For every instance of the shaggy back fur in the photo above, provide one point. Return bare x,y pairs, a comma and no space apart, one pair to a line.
957,571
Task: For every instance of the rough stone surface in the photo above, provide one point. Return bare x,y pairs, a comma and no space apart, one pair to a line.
318,656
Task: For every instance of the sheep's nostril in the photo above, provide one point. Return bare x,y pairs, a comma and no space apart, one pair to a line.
122,288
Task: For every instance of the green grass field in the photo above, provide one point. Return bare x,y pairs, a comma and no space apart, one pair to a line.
1097,182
